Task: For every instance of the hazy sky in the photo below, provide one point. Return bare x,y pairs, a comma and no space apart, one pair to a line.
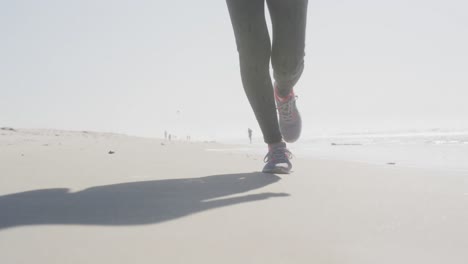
141,67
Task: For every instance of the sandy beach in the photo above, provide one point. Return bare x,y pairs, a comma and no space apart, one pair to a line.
88,197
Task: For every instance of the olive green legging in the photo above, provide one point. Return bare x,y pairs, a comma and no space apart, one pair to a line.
255,50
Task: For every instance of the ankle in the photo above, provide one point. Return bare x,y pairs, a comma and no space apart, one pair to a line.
277,144
283,92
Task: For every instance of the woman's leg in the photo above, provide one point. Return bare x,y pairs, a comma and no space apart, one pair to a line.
254,47
289,20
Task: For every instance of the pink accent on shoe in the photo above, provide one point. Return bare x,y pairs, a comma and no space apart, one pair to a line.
283,99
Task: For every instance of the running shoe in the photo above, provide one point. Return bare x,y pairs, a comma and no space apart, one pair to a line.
277,159
290,122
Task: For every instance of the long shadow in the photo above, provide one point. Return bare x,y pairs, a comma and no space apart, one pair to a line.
134,203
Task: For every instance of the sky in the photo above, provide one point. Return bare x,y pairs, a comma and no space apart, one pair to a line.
145,66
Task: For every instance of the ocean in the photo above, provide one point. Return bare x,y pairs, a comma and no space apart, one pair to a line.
434,149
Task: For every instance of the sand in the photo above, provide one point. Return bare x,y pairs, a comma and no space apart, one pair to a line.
65,198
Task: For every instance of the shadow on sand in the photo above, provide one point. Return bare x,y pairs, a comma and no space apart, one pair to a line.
134,203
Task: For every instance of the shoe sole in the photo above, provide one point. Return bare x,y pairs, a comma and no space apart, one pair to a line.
286,132
288,137
278,171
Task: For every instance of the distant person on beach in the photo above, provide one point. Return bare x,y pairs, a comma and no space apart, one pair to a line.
165,135
286,52
250,135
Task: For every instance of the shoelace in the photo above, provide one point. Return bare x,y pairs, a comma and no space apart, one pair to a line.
278,154
286,109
